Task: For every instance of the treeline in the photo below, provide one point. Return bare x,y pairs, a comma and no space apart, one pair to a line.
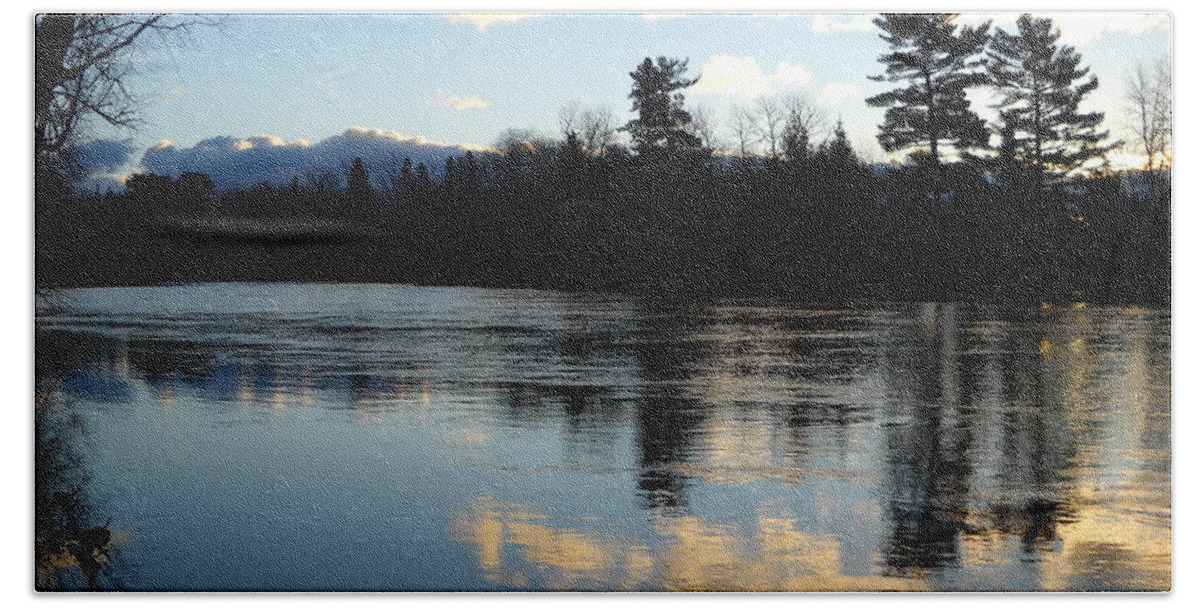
1011,218
824,226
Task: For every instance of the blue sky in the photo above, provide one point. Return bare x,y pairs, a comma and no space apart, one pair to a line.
462,79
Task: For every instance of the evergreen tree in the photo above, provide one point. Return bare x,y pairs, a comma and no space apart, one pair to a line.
422,183
795,143
795,139
1040,100
468,169
662,123
838,152
939,62
406,178
843,174
358,183
450,177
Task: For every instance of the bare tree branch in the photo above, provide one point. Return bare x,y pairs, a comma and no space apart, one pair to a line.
81,70
1148,95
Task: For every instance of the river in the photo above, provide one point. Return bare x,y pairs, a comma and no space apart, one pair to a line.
388,437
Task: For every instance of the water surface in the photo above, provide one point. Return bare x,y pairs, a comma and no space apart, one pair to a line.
366,437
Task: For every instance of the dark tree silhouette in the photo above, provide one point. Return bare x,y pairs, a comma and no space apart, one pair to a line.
771,125
196,185
939,62
596,130
801,119
358,183
662,124
1148,95
405,185
148,187
1040,100
81,63
837,151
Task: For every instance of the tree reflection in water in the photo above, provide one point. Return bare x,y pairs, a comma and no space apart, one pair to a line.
558,442
72,550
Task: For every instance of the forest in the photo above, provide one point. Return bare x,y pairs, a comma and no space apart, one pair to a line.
1020,208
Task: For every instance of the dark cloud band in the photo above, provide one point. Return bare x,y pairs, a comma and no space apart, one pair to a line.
234,163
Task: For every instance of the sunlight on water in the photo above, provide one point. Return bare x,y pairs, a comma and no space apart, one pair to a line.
366,437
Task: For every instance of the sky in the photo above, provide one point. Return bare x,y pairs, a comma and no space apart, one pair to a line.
296,80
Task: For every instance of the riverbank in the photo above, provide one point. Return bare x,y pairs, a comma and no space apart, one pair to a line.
102,242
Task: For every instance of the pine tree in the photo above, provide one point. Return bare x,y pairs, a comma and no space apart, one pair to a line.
662,124
939,61
469,171
358,183
795,142
404,182
1040,102
450,177
838,152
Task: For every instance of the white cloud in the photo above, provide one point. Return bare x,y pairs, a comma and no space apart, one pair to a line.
1078,29
829,24
834,93
482,21
458,102
1082,29
743,77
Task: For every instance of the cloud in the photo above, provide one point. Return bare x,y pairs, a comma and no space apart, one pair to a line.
460,103
103,155
834,93
1082,29
831,24
482,21
654,17
97,163
241,162
743,77
173,95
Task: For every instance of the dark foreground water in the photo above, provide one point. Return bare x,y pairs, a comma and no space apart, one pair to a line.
321,437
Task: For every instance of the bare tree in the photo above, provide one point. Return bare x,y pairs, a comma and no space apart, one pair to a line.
704,127
1148,94
770,124
597,126
802,120
81,65
522,141
743,125
568,119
